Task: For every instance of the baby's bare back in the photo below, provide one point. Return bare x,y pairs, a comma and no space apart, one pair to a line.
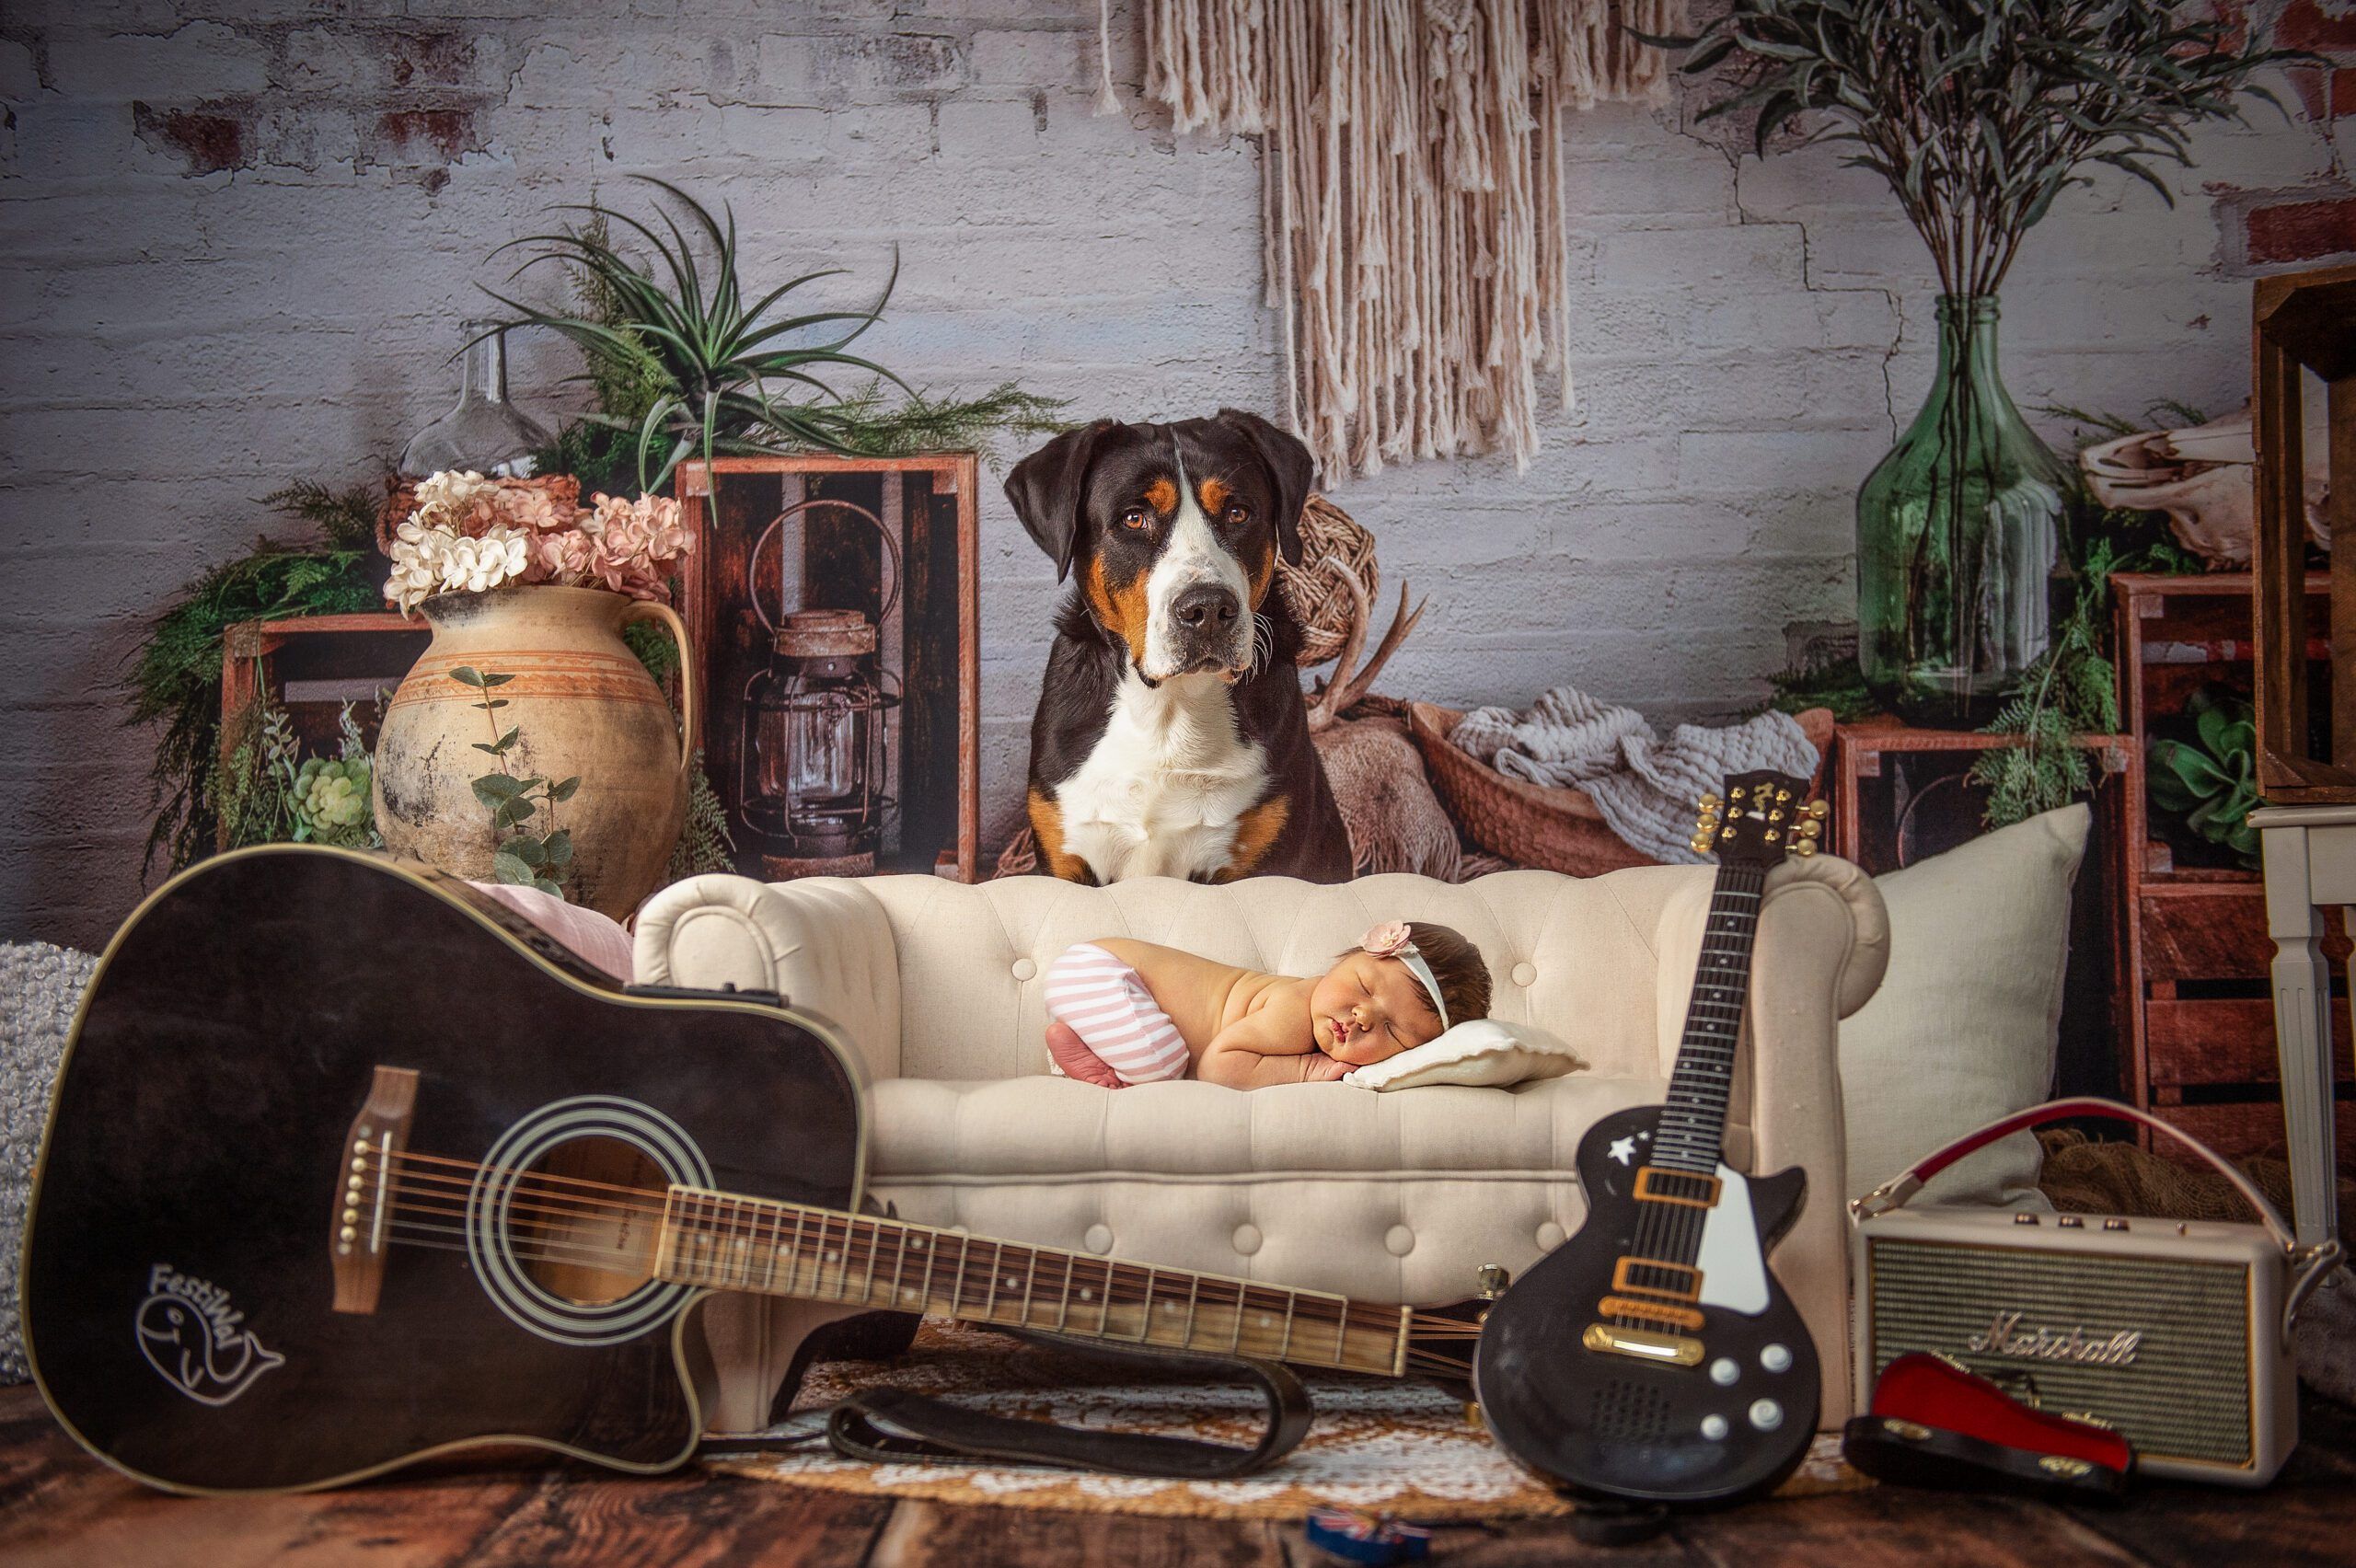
1203,997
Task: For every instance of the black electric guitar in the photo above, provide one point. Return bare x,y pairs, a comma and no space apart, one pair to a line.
1654,1357
347,1167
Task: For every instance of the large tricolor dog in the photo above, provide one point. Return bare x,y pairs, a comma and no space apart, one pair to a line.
1171,738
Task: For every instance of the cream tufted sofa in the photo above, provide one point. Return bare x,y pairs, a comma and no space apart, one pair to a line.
1393,1197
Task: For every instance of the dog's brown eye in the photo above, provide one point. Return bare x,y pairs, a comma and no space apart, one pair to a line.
1238,514
1133,518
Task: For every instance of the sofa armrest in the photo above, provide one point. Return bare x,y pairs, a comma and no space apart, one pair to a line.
1823,943
823,944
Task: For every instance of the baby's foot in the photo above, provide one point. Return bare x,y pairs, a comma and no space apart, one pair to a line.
1072,1055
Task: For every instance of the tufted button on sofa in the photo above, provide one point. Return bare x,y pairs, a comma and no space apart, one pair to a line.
1394,1197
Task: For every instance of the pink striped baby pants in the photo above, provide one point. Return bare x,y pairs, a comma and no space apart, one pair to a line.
1103,1001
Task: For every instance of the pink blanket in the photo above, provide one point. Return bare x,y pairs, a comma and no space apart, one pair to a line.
592,938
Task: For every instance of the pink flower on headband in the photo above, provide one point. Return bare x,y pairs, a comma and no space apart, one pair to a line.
1388,939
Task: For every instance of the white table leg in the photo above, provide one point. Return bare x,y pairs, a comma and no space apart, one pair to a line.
2301,1029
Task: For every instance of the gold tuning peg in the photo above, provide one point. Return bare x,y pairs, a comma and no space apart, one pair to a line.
1819,810
1709,800
1803,848
1700,844
1809,825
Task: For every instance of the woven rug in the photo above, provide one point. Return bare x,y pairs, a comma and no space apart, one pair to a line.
1401,1449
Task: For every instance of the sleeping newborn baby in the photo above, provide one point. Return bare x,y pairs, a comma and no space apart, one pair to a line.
1122,1012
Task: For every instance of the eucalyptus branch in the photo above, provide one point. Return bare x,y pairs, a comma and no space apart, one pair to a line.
1980,113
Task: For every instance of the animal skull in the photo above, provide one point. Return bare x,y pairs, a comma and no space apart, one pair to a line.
2204,477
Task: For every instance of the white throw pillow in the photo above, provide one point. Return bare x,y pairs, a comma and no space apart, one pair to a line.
1484,1053
1964,1027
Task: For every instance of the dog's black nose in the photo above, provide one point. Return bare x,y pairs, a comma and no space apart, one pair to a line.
1205,606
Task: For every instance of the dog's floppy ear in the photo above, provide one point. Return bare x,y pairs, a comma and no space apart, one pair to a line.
1046,486
1290,464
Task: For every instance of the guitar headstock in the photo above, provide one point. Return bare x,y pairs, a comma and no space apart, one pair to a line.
1763,817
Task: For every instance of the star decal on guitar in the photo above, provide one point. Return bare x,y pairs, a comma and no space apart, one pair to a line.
1623,1150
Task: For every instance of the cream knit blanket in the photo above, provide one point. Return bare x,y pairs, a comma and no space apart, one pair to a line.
1645,785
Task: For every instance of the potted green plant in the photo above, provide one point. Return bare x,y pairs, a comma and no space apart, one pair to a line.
687,361
2208,783
1978,113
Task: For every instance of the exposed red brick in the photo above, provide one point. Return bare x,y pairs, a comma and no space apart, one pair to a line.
2304,24
448,131
210,140
2301,231
2312,86
430,57
2343,93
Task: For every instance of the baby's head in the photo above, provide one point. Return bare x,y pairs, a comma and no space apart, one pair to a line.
1374,1003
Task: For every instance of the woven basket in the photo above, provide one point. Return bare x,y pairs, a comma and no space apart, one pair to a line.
1531,824
1555,830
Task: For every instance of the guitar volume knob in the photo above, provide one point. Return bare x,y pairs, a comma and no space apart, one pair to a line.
1766,1414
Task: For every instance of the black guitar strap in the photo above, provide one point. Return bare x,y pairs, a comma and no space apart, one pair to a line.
889,1425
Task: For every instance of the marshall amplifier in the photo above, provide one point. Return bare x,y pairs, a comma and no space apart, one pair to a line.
2176,1332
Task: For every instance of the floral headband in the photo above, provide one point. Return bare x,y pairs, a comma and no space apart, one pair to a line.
1393,939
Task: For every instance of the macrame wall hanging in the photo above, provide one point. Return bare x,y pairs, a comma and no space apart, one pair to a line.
1412,195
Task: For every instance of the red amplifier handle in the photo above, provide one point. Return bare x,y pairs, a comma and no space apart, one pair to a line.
1897,1189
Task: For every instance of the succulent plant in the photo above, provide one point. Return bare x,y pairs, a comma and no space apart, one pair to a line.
2211,783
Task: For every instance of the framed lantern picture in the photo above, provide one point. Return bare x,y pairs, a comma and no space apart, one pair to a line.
833,607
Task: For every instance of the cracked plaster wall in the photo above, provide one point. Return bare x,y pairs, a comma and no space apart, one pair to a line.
239,240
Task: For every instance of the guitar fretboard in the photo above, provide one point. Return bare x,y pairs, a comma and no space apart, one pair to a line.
1693,1124
726,1242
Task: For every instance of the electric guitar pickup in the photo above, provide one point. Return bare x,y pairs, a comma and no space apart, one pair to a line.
348,1167
1654,1357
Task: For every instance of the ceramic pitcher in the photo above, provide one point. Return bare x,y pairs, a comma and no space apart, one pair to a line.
584,705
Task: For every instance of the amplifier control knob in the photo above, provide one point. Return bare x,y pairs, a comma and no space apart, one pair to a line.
1766,1414
1714,1427
1723,1371
1775,1358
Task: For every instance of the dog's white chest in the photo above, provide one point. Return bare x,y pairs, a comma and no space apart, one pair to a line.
1161,793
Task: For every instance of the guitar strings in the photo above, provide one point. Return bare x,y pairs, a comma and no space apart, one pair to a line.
863,1245
1675,1236
414,1233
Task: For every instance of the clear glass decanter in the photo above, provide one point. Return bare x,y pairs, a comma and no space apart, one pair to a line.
1956,531
485,433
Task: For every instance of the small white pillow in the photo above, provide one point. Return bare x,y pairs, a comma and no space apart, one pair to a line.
1484,1053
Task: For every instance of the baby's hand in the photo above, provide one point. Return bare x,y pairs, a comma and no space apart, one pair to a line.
1323,1068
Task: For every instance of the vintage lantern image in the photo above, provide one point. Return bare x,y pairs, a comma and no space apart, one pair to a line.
815,787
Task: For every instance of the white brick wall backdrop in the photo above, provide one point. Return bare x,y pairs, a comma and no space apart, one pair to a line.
239,241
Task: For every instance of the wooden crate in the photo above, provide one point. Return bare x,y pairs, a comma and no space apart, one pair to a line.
1899,795
933,501
2202,1014
310,666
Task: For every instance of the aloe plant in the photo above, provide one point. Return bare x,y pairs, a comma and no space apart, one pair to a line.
719,373
2212,782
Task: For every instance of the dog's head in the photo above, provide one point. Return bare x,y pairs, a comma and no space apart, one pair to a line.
1174,530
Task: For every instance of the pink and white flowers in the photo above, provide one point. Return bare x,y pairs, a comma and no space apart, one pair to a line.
470,535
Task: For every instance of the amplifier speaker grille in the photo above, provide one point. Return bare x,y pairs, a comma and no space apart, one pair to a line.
2186,1394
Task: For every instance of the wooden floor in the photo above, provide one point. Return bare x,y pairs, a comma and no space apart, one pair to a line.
59,1507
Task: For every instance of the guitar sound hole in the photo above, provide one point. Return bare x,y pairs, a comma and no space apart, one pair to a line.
586,1231
1627,1413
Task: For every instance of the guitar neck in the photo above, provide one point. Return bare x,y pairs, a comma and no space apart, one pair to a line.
1693,1124
726,1242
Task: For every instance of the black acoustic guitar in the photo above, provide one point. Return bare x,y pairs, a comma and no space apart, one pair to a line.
1654,1357
347,1167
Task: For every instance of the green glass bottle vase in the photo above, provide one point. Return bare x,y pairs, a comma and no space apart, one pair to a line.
1957,530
